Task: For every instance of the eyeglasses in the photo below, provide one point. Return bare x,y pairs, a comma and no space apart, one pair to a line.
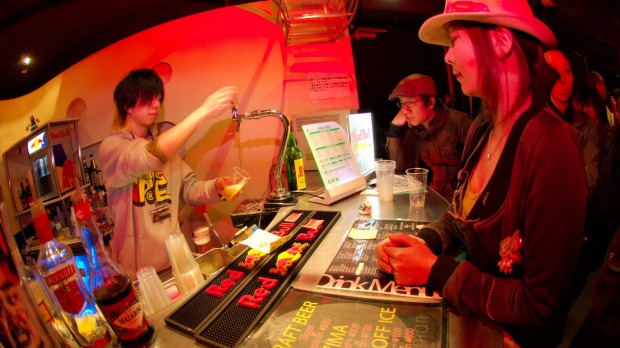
409,104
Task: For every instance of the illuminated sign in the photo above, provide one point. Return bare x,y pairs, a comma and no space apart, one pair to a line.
37,143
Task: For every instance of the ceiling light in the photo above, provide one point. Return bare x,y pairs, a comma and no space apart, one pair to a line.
25,60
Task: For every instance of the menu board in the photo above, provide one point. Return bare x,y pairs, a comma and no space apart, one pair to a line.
306,319
332,152
353,267
335,161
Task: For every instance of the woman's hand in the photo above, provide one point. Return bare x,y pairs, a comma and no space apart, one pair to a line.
410,259
382,259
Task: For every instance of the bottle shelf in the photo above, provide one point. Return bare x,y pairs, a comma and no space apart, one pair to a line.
52,201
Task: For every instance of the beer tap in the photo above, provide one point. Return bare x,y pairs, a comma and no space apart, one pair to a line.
279,195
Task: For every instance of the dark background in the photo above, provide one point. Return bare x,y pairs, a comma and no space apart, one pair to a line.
384,36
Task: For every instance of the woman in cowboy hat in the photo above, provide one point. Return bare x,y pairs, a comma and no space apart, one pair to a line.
519,209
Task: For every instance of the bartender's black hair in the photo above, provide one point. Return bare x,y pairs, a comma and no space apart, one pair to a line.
138,88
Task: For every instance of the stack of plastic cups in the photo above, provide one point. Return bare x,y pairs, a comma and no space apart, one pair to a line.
152,289
185,269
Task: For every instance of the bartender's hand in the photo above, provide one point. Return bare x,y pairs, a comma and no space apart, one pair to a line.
410,259
400,119
221,183
221,100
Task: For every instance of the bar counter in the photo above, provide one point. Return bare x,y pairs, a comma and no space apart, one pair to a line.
463,331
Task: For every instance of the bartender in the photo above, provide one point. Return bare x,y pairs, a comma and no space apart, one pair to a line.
145,177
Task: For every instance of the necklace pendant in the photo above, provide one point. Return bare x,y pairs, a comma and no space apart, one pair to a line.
488,155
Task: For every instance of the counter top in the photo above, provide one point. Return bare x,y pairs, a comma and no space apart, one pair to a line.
462,330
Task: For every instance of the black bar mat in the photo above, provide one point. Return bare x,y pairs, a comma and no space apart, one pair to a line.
218,290
234,321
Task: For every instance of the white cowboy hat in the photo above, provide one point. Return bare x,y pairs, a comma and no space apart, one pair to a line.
514,14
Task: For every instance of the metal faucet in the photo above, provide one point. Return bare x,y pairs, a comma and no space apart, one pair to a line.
279,195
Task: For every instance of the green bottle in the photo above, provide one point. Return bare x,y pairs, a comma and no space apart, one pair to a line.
295,174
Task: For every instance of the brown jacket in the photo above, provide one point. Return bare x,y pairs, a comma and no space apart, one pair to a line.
538,189
440,147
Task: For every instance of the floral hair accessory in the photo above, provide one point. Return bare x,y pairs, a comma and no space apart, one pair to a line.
509,250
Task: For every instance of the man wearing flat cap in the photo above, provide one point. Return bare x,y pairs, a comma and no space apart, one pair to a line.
435,133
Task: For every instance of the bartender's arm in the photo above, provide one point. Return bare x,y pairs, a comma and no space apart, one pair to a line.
173,139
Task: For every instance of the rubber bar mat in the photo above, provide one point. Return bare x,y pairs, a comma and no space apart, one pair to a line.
201,305
219,291
233,322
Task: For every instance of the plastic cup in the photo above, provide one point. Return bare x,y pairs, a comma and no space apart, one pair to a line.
203,243
181,257
240,177
152,289
384,169
416,177
201,231
185,269
189,280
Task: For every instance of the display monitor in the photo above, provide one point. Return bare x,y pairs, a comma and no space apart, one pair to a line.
362,141
359,130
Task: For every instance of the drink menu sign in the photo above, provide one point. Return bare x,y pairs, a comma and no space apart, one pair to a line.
335,161
332,152
306,319
353,267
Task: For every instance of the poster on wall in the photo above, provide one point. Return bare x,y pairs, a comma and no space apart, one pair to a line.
329,85
306,319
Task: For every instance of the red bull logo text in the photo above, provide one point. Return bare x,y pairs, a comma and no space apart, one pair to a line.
258,297
225,285
310,234
284,228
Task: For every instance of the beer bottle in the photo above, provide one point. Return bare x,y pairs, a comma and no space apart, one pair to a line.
295,174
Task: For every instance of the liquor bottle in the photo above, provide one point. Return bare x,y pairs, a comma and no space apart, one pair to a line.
22,196
28,194
110,285
86,170
95,174
295,174
22,325
63,281
97,208
49,312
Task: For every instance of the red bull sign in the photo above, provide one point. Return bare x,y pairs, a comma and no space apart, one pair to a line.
37,143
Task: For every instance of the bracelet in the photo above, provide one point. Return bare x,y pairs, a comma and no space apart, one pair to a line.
154,149
488,305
